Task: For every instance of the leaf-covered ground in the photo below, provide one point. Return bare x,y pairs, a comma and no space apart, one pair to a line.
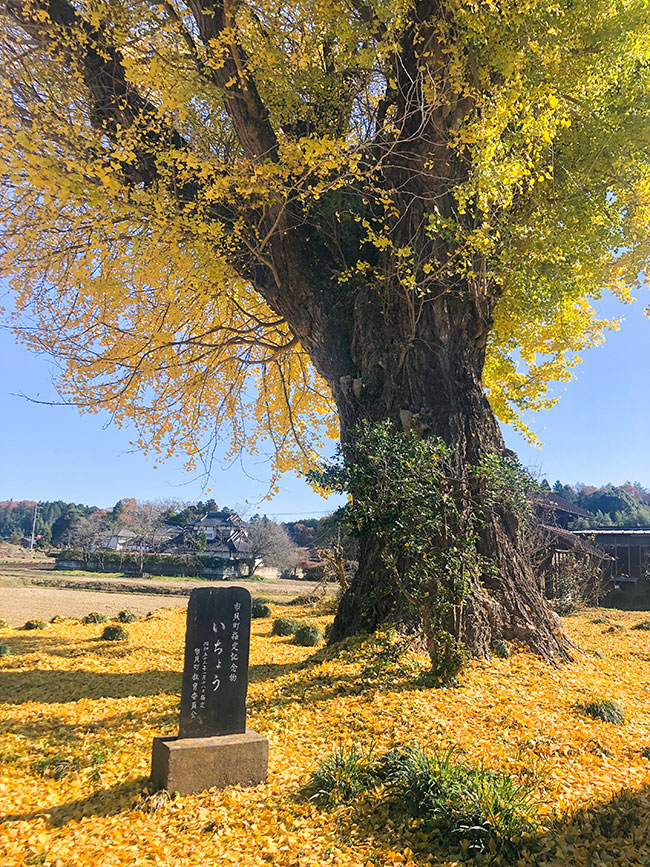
77,717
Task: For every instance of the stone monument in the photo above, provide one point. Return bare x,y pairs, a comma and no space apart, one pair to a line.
213,747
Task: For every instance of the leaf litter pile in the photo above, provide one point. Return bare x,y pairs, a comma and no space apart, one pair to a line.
78,714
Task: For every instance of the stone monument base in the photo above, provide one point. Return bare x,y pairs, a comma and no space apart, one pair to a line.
188,765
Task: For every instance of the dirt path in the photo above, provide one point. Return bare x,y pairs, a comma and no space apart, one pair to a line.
18,604
74,595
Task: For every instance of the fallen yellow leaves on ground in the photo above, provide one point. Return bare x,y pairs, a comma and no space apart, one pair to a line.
78,716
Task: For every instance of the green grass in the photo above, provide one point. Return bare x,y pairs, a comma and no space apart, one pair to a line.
343,776
606,710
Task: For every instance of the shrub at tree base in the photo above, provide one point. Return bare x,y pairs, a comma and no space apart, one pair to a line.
606,710
114,633
308,636
127,616
95,617
34,624
478,810
260,608
501,649
285,626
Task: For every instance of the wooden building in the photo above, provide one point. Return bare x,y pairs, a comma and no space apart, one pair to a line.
629,550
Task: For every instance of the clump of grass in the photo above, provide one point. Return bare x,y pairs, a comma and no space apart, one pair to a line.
57,619
94,617
285,626
344,776
260,608
643,624
3,623
114,633
5,650
34,624
501,649
606,710
480,810
616,627
56,766
126,616
308,636
645,753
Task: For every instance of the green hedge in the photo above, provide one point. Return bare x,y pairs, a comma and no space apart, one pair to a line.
189,565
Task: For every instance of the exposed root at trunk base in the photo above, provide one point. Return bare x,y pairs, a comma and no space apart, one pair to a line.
503,609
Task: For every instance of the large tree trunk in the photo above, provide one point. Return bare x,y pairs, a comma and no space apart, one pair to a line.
424,374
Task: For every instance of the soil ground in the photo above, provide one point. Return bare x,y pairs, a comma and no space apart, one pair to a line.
21,597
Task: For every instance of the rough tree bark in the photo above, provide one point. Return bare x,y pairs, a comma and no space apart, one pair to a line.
426,376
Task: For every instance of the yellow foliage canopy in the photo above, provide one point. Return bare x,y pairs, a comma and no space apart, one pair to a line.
153,154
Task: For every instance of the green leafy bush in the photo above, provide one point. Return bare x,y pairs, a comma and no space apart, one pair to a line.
644,624
260,608
308,636
343,776
285,626
5,650
34,624
94,617
127,616
480,810
606,710
501,649
114,633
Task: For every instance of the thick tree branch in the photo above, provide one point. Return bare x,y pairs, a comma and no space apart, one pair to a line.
250,118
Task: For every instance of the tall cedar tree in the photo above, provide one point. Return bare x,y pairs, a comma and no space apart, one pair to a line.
233,218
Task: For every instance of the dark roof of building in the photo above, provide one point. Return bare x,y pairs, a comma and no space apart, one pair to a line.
556,503
639,532
217,519
574,542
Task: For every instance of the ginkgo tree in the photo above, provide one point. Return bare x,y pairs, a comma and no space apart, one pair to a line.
248,219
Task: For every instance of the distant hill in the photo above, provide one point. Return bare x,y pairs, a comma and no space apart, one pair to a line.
53,519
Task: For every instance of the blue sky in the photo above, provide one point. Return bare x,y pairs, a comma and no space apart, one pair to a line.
598,433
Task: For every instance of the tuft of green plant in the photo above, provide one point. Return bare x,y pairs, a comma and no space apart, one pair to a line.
501,649
5,650
94,617
126,616
480,810
34,624
260,608
57,766
285,626
606,710
343,776
643,624
3,623
57,619
308,635
114,633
